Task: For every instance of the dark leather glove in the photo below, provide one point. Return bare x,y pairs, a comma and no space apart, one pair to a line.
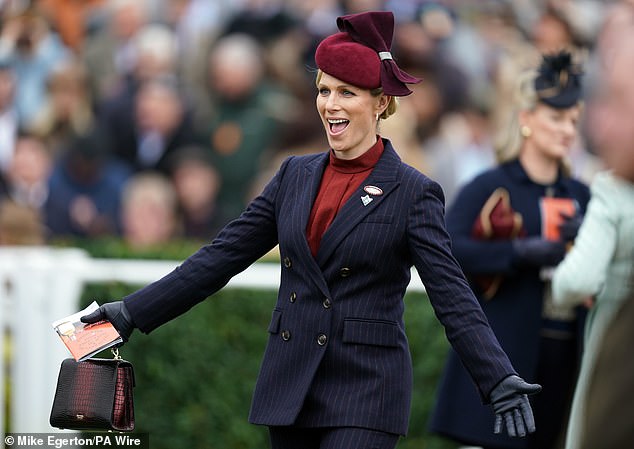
569,228
539,252
117,313
510,404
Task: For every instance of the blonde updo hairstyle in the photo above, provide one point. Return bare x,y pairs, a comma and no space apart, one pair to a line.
391,106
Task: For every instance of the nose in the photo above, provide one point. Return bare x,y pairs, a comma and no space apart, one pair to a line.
570,128
332,103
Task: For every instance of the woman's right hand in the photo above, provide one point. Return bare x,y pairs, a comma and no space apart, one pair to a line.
117,313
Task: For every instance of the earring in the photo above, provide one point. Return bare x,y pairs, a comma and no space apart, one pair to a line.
525,131
377,117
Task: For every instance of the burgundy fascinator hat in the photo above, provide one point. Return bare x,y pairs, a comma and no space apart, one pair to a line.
360,54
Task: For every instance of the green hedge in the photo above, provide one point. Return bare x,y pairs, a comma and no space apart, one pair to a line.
195,375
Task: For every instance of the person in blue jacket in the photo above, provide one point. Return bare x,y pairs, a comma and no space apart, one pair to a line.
350,223
507,231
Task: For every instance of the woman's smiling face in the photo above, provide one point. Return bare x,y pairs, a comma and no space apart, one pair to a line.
349,115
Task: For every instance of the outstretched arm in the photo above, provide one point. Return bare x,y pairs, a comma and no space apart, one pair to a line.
465,323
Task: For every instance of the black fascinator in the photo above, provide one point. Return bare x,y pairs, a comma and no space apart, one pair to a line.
558,83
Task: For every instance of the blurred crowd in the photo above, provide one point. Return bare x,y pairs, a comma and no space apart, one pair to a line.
155,119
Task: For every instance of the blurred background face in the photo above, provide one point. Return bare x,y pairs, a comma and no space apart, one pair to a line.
611,112
149,211
554,131
196,185
31,162
68,89
235,67
128,17
148,223
156,52
551,34
158,108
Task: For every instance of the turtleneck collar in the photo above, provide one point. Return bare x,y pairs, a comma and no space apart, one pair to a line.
360,164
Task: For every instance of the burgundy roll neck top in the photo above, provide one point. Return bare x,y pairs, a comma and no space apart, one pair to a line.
340,180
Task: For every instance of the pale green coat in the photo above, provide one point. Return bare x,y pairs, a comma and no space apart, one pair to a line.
600,266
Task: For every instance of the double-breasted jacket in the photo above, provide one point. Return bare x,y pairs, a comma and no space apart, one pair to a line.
337,351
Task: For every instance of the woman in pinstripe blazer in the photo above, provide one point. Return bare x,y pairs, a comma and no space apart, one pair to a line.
350,224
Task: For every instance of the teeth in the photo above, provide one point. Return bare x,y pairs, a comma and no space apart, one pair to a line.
331,121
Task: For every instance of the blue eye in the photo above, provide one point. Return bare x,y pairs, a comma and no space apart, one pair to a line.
324,91
348,93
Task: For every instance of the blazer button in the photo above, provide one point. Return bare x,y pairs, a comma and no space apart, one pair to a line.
344,272
327,303
322,339
287,262
293,297
286,335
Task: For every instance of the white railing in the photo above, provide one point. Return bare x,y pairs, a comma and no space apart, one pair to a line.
41,284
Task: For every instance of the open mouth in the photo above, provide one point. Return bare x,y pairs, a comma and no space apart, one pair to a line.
337,126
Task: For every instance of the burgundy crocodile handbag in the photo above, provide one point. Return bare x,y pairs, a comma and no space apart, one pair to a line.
95,394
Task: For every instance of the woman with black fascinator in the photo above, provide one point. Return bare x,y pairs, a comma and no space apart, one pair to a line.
509,227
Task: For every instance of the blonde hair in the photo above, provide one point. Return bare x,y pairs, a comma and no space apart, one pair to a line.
392,104
508,141
150,187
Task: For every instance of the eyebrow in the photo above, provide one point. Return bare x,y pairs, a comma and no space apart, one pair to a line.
340,86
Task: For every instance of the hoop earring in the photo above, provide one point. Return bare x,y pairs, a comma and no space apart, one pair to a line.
525,131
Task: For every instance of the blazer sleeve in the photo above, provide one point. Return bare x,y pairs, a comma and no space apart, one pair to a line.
582,273
454,303
476,256
239,244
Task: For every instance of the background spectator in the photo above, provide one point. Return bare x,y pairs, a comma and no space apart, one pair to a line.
67,111
196,183
70,19
241,124
195,24
27,176
20,225
149,211
109,52
85,189
32,49
498,225
462,149
159,125
599,268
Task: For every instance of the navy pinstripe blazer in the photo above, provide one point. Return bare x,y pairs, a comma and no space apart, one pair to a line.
337,353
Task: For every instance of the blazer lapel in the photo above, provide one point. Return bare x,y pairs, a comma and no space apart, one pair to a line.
361,203
312,179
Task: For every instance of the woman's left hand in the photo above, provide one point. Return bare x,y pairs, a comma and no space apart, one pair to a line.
511,406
